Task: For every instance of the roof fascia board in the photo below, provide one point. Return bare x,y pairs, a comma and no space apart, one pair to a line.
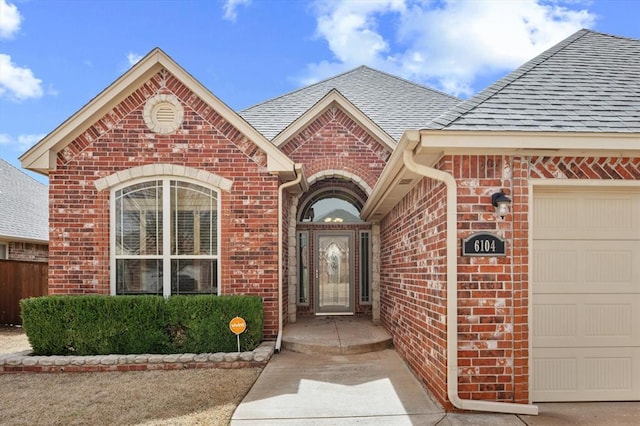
529,143
155,60
16,239
334,96
89,113
531,140
430,145
390,176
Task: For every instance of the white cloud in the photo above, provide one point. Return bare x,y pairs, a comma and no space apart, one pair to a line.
10,19
230,9
17,83
20,143
133,58
447,43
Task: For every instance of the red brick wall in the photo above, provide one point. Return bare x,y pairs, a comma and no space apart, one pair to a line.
335,142
413,282
489,293
493,322
28,251
79,214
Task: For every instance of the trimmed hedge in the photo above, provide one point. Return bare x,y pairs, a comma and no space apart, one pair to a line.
100,325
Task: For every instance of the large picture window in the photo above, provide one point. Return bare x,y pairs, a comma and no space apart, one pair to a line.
165,238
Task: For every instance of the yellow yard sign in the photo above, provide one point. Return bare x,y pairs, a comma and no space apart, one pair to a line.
237,325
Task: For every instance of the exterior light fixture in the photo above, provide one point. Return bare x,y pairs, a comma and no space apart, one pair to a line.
501,203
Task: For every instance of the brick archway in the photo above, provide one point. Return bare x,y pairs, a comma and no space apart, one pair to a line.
350,188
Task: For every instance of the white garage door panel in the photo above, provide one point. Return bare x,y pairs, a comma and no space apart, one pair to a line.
580,266
592,320
599,374
585,318
573,214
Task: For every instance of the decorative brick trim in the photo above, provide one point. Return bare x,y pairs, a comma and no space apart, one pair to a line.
332,173
22,362
150,170
584,168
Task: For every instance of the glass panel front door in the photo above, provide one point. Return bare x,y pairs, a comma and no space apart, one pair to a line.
334,273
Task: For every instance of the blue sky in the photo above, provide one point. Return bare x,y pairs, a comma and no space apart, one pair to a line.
55,56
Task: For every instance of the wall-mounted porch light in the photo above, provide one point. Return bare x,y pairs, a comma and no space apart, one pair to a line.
501,203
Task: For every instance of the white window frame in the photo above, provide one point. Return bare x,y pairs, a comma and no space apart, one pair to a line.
4,254
166,257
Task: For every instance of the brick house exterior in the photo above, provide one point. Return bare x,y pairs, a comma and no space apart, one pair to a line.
402,200
24,226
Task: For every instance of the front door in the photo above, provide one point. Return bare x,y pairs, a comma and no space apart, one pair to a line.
334,272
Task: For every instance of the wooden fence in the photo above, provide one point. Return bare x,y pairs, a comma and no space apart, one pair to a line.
20,280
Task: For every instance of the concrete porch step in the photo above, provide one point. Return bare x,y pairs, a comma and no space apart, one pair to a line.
335,335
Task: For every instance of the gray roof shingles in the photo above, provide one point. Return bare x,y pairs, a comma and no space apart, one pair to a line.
24,205
589,82
392,103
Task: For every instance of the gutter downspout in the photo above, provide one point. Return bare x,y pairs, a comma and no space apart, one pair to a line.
452,295
298,171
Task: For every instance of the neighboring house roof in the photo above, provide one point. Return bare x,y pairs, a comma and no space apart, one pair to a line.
24,206
589,82
394,104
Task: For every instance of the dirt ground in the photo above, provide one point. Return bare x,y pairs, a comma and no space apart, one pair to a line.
184,397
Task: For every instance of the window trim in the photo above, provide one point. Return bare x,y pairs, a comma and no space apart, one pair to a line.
166,257
303,285
369,269
6,250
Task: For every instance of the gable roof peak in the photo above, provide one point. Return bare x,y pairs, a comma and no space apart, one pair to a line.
392,103
41,157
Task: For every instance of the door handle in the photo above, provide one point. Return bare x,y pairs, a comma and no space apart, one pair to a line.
317,274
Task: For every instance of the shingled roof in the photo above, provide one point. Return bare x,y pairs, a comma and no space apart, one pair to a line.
24,206
589,82
392,103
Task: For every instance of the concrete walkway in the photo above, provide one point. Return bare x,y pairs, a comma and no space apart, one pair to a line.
377,389
343,374
374,388
335,335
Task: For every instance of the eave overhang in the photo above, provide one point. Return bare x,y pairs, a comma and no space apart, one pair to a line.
41,157
429,146
15,238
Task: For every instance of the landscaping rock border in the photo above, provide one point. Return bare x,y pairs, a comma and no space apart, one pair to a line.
24,362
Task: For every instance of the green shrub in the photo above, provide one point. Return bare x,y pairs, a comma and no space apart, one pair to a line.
95,325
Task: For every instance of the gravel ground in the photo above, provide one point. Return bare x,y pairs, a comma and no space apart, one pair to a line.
13,339
179,397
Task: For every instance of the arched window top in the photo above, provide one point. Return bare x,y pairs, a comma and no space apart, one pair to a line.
332,207
160,170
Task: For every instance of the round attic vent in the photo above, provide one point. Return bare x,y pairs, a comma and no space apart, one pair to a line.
163,114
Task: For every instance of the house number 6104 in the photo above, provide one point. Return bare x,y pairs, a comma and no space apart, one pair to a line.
484,244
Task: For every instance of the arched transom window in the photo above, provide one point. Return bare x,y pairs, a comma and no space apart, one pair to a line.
332,207
165,238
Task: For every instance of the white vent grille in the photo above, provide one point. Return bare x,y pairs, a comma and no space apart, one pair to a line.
163,114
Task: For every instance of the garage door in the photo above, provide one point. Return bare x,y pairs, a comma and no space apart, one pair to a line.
586,295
